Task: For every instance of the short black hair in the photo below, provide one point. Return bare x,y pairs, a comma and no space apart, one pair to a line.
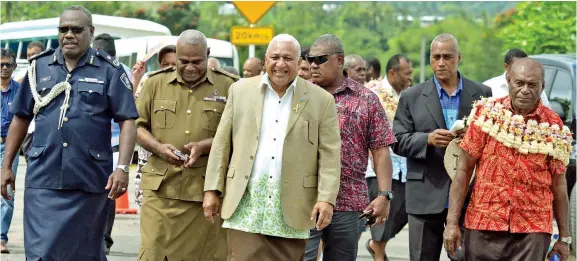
80,8
514,54
6,52
105,42
395,61
305,51
165,50
374,62
36,44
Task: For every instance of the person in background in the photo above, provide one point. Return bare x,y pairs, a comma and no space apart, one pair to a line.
166,58
499,84
105,42
252,67
9,89
373,69
213,63
355,66
304,66
519,188
399,75
33,49
231,70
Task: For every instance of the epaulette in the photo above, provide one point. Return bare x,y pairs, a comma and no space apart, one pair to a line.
167,69
46,52
105,56
221,71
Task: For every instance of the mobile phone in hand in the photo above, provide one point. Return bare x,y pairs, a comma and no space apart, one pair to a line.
181,155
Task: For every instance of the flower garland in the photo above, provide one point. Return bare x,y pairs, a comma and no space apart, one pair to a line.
388,101
513,132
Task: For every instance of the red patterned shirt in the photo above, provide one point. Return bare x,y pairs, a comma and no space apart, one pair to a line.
512,190
364,126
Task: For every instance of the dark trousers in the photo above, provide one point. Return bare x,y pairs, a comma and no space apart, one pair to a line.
505,246
340,238
398,217
109,224
426,236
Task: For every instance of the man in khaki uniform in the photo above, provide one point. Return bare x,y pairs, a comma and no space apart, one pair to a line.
180,109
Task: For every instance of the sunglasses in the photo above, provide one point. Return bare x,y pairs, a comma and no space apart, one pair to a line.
8,65
320,59
74,29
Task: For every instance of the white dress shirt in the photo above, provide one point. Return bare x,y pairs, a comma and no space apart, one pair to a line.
275,115
500,88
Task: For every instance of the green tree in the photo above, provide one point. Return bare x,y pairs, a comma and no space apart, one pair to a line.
540,27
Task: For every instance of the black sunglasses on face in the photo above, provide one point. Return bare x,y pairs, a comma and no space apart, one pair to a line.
320,59
74,29
8,65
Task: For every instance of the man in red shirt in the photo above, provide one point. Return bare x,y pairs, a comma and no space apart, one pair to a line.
520,149
364,127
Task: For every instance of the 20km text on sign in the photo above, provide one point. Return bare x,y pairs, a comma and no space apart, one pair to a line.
251,35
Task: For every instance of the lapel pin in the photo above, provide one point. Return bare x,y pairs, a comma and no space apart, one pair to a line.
297,108
302,99
215,92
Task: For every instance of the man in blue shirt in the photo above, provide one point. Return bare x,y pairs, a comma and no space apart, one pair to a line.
9,89
74,92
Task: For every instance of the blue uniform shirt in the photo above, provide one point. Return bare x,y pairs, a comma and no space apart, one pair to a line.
78,155
7,97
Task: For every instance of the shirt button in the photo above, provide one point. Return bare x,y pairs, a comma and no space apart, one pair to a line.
215,110
279,102
276,121
65,119
274,139
251,157
89,91
271,177
189,91
98,155
187,132
65,144
188,112
35,153
152,170
246,177
272,157
162,107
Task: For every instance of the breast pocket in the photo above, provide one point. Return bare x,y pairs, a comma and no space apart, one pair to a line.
91,96
313,131
211,114
164,114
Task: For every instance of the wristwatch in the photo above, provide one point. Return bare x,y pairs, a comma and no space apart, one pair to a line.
388,194
566,240
124,168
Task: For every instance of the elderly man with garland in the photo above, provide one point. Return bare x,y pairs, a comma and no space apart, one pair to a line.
520,152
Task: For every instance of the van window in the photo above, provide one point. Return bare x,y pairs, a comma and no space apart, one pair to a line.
561,91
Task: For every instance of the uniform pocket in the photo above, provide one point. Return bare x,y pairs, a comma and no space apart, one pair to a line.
164,114
211,114
36,151
311,181
313,131
91,95
153,173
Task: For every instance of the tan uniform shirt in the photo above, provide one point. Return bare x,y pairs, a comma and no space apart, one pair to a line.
176,114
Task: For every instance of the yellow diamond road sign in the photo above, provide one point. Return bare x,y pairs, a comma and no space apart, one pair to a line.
253,10
251,35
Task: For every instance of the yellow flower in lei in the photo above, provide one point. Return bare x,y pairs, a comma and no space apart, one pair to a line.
388,101
527,137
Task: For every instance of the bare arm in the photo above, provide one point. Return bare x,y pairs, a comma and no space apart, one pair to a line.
459,187
127,141
383,167
560,203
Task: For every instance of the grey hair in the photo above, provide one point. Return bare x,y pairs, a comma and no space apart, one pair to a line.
80,8
193,37
332,41
349,59
444,37
283,38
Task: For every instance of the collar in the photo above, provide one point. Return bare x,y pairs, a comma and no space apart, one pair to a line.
208,76
266,81
440,89
506,101
11,86
350,84
388,86
87,58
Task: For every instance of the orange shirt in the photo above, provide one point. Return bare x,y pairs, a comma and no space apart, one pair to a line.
512,190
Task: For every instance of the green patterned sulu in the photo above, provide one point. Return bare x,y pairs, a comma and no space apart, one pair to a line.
260,212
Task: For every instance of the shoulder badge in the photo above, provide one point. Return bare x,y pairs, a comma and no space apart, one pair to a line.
167,69
126,81
46,52
230,75
104,56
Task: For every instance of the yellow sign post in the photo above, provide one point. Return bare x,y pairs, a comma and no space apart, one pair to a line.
251,35
253,11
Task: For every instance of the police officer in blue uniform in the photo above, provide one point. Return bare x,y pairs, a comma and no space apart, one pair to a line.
74,91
